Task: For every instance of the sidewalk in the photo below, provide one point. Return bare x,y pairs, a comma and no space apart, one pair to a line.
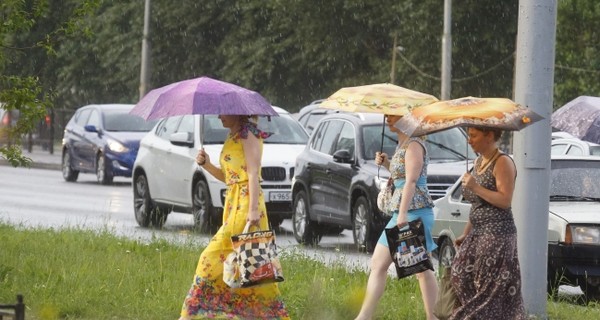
42,159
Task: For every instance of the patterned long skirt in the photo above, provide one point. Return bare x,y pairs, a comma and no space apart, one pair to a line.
487,278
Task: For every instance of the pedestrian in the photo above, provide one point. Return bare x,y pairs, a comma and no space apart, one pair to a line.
408,168
485,272
209,296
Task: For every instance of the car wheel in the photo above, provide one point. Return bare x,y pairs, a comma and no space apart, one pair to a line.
202,208
68,173
305,230
446,253
102,175
362,225
146,213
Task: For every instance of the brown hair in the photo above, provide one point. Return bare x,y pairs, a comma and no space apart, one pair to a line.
497,132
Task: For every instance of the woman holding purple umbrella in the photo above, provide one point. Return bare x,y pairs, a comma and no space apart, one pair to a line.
209,296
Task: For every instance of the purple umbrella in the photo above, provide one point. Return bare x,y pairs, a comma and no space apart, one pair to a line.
201,96
579,117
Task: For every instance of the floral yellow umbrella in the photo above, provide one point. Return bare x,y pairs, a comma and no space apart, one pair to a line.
500,113
381,98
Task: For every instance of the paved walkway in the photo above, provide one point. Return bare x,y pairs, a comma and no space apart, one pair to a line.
42,159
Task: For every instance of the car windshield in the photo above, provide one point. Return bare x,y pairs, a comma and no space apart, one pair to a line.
443,146
284,129
119,120
573,180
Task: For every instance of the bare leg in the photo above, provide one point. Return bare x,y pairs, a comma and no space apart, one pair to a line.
380,262
429,290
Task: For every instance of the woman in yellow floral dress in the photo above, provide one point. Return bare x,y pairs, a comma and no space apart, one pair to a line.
209,297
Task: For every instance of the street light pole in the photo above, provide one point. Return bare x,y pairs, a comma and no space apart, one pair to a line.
145,63
447,51
393,71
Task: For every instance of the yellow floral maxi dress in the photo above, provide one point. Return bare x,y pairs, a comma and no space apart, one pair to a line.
209,297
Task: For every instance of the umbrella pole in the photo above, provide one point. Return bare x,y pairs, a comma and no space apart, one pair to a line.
202,132
382,137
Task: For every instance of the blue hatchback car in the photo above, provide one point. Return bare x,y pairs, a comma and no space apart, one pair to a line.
103,139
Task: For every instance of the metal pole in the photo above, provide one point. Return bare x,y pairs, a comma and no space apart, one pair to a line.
447,51
145,63
534,79
393,71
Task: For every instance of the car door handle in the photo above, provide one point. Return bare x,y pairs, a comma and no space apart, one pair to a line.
455,213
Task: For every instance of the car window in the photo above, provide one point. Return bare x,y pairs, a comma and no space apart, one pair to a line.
449,145
575,151
327,137
186,124
313,120
121,120
574,179
595,150
213,130
558,149
371,140
81,117
167,127
457,194
94,119
346,139
284,129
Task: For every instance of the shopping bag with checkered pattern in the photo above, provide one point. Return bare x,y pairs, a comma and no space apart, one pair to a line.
256,255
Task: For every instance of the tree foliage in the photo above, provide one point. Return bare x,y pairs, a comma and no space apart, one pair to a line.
292,51
29,32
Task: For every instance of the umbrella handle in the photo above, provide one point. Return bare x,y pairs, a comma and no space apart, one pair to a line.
381,147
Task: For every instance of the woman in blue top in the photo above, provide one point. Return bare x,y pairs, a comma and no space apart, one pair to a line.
408,168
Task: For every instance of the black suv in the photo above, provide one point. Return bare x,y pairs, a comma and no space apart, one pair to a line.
336,179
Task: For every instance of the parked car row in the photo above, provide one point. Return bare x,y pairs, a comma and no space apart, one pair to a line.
573,228
337,181
166,176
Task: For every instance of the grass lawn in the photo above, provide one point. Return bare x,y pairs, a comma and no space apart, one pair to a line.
79,274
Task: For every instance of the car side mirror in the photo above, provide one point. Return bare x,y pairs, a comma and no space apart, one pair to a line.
342,156
183,139
92,128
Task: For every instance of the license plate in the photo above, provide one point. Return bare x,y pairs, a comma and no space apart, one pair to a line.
275,196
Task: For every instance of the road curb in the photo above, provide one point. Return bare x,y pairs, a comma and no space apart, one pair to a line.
36,165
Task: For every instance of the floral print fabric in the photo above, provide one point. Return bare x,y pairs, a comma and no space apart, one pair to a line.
422,199
209,297
485,272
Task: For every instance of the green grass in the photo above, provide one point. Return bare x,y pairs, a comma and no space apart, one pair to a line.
77,274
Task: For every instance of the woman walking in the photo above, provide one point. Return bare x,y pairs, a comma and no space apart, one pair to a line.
411,200
209,296
485,272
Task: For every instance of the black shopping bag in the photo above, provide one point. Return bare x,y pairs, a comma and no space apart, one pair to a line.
408,249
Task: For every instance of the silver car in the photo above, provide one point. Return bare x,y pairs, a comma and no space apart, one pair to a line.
573,228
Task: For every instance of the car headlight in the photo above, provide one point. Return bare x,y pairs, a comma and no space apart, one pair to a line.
116,146
582,234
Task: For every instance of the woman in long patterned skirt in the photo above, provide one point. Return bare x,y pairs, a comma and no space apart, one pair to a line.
485,272
209,296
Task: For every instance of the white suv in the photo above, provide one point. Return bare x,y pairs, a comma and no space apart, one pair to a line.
166,177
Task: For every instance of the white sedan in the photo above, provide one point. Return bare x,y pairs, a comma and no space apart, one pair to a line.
166,177
573,228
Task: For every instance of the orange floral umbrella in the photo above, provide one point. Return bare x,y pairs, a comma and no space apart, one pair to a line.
497,113
381,98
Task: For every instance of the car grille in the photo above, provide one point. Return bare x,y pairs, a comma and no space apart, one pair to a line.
438,190
273,174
